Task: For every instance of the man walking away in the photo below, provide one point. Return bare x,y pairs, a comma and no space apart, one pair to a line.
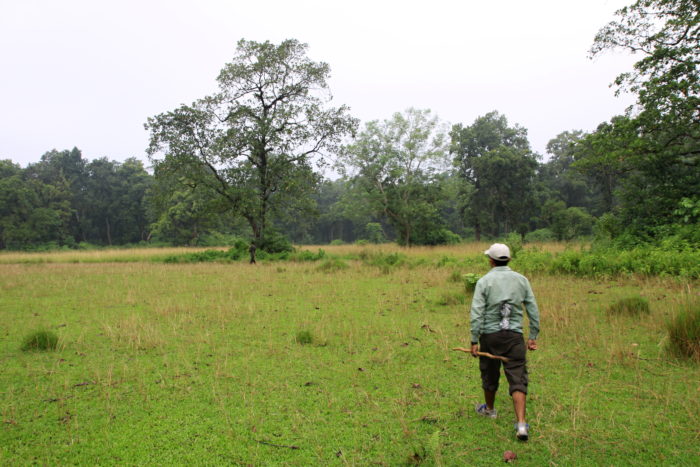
251,250
497,328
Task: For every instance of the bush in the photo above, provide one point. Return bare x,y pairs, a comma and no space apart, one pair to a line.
275,242
199,257
629,306
684,333
440,237
337,242
515,243
40,340
306,255
540,235
470,280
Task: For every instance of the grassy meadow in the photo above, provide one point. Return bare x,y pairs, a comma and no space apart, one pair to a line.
294,363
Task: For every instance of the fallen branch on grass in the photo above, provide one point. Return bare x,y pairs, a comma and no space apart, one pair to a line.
277,445
484,354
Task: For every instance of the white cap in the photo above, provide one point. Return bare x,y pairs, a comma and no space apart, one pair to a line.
499,252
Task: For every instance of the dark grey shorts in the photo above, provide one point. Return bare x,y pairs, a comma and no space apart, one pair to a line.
507,344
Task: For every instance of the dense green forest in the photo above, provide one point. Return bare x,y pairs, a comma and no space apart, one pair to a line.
247,162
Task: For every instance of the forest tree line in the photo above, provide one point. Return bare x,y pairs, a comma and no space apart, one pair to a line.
247,162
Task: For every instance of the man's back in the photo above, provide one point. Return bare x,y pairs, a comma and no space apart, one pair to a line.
498,301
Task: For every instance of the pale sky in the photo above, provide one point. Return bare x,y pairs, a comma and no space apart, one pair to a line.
88,73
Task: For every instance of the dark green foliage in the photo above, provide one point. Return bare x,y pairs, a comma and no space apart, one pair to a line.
204,256
630,306
374,232
40,340
540,235
497,169
684,332
652,154
275,242
440,237
304,337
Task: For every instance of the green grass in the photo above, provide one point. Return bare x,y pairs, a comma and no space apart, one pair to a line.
632,306
201,364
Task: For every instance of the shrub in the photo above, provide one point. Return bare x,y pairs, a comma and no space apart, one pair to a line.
306,255
40,340
540,235
470,280
684,333
440,237
514,242
629,306
275,242
337,242
304,337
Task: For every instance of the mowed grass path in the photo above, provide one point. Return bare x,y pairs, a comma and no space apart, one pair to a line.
199,364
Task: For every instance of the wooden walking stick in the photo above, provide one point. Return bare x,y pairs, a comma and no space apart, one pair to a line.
484,354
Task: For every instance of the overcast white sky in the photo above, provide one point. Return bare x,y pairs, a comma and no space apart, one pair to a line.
88,73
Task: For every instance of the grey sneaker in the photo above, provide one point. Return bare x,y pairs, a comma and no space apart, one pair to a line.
482,409
521,431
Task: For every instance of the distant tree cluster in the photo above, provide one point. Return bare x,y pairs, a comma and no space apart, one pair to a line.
246,162
66,200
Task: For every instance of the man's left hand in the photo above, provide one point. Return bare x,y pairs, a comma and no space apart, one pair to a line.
531,344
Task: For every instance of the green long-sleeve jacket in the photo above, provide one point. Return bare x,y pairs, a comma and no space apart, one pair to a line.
498,304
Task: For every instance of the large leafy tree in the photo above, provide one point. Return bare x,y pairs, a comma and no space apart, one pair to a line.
395,164
254,141
560,178
497,168
658,143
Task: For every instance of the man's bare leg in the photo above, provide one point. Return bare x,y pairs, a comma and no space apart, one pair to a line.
518,404
489,398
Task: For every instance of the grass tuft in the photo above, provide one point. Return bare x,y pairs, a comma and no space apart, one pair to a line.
304,337
332,265
40,340
684,333
451,298
630,306
455,276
